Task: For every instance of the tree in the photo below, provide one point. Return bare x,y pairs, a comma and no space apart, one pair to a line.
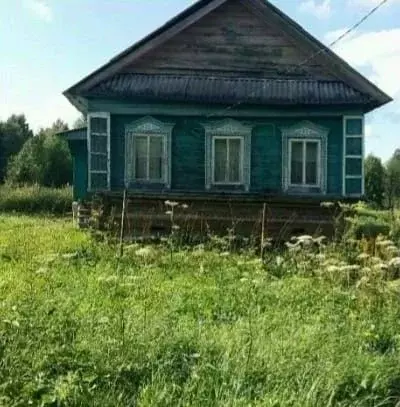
375,178
13,134
80,122
44,159
393,179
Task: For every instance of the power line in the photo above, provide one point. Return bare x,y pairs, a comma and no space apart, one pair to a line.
320,51
347,32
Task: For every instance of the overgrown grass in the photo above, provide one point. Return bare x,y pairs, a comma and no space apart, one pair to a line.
80,327
35,199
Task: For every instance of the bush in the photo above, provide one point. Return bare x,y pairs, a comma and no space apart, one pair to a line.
44,160
35,199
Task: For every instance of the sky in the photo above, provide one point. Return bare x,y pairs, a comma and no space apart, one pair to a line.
47,46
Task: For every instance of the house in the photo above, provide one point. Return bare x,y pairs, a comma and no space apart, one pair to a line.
229,105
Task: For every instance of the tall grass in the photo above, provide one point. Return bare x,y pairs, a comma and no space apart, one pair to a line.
317,326
35,199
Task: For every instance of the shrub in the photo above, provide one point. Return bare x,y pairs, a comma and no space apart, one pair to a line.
44,160
35,199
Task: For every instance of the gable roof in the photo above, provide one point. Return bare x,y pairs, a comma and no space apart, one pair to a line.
343,71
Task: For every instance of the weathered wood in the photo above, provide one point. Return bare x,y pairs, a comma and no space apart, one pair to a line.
148,217
230,38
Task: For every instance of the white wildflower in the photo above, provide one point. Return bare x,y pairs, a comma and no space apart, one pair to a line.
279,261
380,266
363,256
384,243
175,227
392,249
320,257
395,262
327,204
144,252
70,256
376,260
169,213
185,206
333,269
171,204
225,254
348,268
366,270
320,240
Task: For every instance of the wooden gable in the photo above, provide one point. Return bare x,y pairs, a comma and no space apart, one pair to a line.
243,39
232,41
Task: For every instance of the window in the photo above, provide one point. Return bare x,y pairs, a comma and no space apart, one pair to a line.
227,155
304,158
227,160
148,152
149,155
353,153
304,162
99,151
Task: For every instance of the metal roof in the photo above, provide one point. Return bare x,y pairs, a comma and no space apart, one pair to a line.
74,134
221,90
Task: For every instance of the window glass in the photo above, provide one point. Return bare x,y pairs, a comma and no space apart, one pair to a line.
354,127
311,163
234,160
296,176
141,157
98,125
99,162
354,166
156,156
220,159
98,144
354,146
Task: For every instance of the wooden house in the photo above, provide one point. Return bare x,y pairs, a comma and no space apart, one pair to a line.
229,105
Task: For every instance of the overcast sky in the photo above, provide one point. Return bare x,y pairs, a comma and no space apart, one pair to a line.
48,45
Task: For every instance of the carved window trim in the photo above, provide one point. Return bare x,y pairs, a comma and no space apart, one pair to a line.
147,126
227,129
305,131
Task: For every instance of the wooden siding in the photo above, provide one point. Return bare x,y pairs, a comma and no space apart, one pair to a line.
80,168
140,109
188,153
231,41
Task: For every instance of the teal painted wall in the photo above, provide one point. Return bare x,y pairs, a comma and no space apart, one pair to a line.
188,152
80,168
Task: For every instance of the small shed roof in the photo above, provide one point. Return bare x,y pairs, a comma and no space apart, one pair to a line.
75,134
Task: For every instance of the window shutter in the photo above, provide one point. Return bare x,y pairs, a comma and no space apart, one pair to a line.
353,156
98,151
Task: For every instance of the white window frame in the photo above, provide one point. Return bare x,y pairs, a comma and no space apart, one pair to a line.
346,156
149,180
148,126
307,131
227,128
304,142
241,161
99,115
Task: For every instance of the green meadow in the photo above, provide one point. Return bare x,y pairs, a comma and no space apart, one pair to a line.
313,325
